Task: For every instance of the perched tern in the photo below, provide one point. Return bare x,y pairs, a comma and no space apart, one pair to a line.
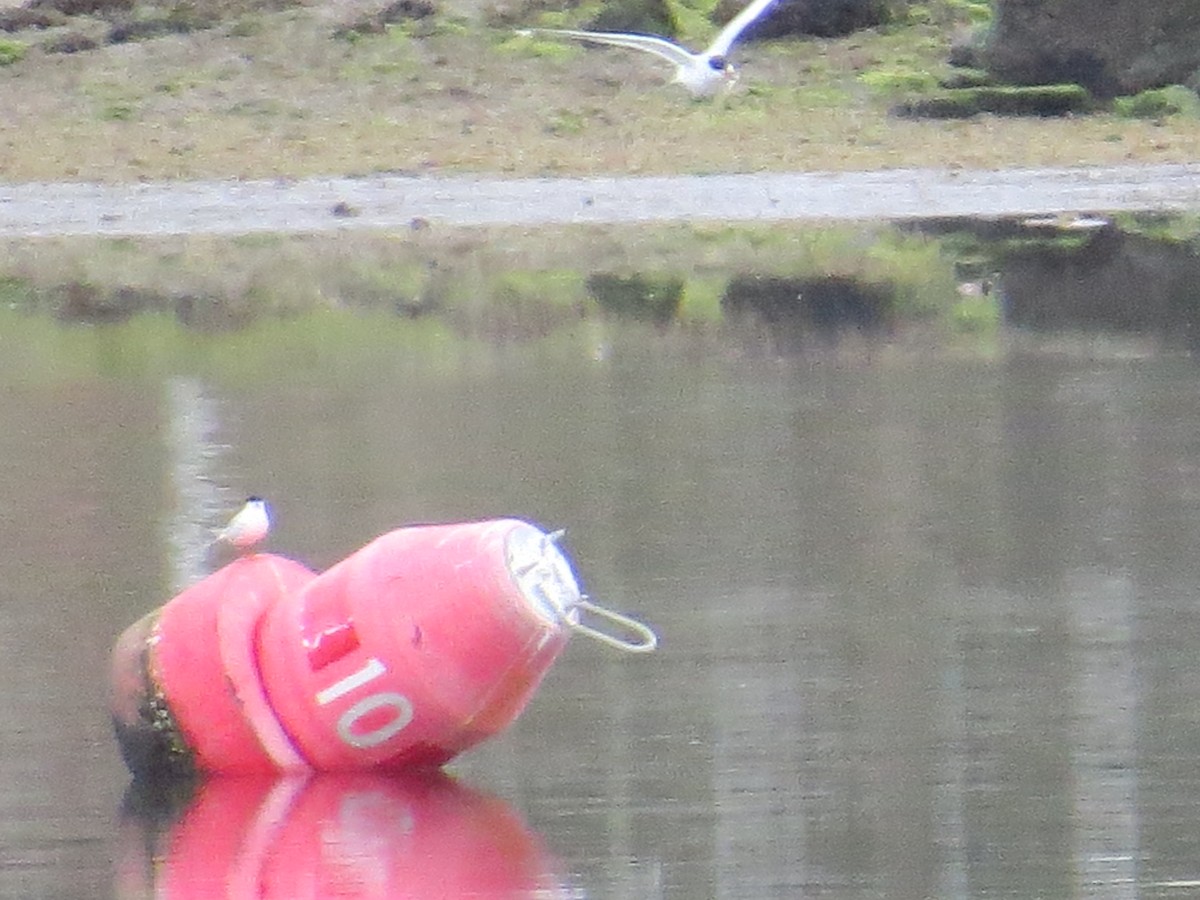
703,74
248,528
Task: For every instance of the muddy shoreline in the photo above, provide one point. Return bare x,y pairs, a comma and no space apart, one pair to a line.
400,201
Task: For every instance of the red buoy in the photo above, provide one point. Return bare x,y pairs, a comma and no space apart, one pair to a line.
420,645
416,647
186,693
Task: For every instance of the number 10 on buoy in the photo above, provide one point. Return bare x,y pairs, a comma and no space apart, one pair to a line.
401,707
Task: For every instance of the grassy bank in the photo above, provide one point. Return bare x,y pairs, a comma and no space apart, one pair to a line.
282,94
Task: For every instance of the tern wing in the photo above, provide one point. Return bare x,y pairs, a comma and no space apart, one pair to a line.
660,47
738,24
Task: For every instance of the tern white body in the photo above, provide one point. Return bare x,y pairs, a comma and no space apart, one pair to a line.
703,74
249,527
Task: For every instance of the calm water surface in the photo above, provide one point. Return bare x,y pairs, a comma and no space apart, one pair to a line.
929,624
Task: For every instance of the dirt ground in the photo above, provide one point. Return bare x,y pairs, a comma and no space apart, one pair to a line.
414,203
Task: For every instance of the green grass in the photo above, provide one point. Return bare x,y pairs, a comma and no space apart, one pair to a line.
895,81
1173,100
11,51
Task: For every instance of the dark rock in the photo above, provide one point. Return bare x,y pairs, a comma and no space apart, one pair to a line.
140,30
20,19
376,21
1112,47
637,16
70,42
83,7
407,9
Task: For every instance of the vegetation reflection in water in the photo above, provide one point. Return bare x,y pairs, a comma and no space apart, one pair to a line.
497,286
439,292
